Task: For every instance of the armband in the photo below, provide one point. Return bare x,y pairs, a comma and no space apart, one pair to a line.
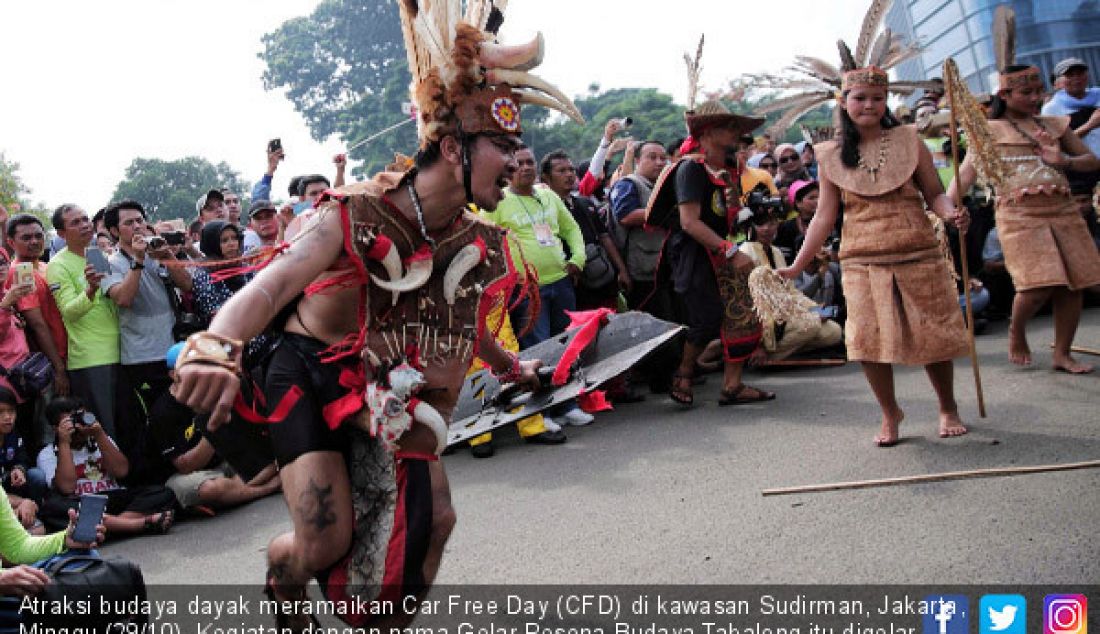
512,374
212,349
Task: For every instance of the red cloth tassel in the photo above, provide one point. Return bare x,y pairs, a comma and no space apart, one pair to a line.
594,401
588,322
355,381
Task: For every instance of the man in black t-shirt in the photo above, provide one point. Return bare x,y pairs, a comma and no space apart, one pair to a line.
708,272
202,478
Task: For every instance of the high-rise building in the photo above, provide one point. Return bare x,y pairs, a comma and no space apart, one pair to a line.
1047,31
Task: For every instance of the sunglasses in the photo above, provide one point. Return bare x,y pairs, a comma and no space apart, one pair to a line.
787,159
768,165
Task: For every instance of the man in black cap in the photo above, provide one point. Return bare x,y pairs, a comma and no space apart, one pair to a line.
263,225
211,206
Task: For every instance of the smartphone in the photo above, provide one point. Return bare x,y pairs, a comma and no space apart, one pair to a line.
24,274
98,261
157,242
274,145
88,516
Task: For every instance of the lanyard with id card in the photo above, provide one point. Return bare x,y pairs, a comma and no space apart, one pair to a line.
544,234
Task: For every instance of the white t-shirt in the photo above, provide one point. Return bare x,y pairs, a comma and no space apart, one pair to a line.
91,477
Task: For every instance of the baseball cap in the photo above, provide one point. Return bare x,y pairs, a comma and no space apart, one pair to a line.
798,186
213,194
260,205
1064,66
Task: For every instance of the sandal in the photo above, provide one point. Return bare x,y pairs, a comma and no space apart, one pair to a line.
161,525
290,620
734,396
680,394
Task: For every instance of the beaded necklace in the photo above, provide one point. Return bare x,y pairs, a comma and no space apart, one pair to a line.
1034,142
883,141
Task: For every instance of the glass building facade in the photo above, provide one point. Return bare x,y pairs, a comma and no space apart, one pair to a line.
1047,31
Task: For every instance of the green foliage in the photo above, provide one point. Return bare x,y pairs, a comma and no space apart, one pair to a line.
169,189
13,193
11,186
338,57
655,116
343,67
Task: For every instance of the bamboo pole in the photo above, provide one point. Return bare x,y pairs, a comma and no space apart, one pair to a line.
962,252
1082,350
932,477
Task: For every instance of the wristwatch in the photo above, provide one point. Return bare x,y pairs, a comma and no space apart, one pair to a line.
136,266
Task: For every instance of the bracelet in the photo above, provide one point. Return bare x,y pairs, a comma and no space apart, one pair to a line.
212,349
512,374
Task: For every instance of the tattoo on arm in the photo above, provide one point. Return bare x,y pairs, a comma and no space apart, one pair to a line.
315,506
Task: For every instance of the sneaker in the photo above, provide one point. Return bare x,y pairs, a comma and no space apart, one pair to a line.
550,424
578,417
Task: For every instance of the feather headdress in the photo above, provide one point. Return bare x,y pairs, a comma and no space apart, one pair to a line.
711,113
1004,51
818,81
463,80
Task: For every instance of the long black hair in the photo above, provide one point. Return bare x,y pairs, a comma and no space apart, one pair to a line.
849,134
998,107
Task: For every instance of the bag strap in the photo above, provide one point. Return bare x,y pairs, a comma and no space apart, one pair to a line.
64,563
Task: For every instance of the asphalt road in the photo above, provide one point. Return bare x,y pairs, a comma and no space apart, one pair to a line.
653,494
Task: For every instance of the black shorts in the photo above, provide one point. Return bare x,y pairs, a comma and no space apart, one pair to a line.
296,362
703,307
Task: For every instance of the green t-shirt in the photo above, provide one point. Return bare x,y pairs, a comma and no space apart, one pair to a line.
544,212
92,323
19,547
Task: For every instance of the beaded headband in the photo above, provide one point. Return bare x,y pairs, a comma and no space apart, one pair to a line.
1021,79
868,76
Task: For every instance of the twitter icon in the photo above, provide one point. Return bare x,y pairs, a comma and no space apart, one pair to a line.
1003,614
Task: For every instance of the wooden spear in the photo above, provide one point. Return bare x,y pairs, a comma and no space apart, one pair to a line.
962,240
932,477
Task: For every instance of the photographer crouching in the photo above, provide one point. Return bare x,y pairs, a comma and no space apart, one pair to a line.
84,459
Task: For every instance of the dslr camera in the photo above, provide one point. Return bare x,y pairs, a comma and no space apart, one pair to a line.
761,202
82,418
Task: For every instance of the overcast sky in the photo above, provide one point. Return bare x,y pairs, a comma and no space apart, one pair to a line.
89,86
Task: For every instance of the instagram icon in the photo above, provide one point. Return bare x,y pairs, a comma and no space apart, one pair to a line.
1065,614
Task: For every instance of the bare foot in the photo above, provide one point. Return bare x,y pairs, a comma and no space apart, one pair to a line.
1070,365
888,435
951,425
1018,350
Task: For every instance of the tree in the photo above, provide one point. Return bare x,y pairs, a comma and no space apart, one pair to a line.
343,67
13,194
655,116
169,189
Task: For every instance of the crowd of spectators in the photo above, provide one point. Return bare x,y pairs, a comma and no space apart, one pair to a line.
103,302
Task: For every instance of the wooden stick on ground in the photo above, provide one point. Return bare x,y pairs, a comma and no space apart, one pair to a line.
932,477
1082,350
962,247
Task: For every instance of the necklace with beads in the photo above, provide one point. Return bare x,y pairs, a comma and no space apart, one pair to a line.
883,142
1034,142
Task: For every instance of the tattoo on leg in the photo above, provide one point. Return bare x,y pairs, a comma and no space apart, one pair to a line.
316,506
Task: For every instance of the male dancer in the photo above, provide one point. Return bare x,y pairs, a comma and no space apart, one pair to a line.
398,278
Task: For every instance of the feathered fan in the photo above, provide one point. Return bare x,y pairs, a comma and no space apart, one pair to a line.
819,81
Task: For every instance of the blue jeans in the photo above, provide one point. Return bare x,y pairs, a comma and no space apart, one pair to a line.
35,488
555,299
978,301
